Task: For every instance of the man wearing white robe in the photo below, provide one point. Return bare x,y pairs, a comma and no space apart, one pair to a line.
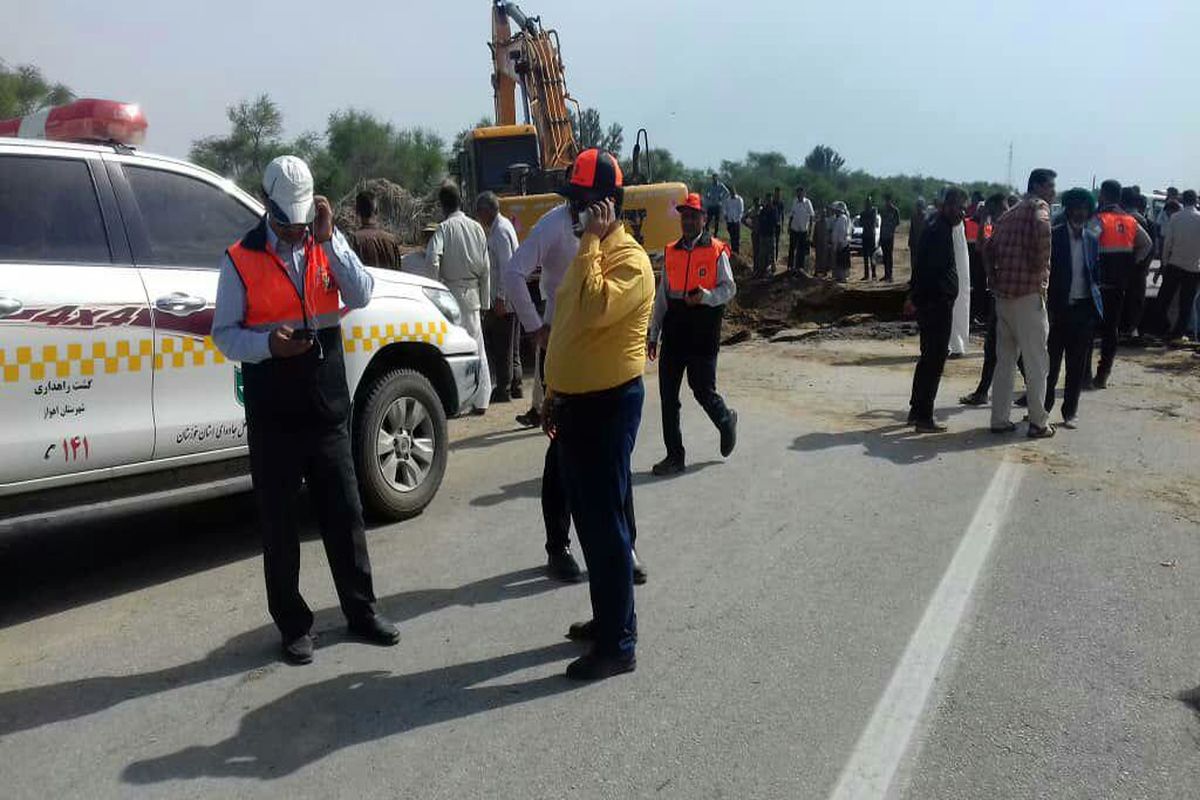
960,331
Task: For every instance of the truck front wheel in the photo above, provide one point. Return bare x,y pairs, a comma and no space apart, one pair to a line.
400,445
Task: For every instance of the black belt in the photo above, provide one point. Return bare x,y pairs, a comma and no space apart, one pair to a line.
602,394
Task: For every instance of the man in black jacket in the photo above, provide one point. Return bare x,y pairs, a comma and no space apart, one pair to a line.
932,293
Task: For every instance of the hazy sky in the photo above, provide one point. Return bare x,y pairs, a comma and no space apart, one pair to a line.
932,87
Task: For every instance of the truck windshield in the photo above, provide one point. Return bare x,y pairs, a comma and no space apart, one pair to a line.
495,156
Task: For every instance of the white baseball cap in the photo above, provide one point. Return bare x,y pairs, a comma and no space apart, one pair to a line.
288,184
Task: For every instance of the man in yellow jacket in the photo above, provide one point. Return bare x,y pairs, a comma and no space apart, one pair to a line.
594,365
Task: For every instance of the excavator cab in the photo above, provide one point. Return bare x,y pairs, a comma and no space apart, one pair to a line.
505,159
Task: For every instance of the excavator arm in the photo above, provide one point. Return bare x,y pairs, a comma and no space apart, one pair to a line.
531,58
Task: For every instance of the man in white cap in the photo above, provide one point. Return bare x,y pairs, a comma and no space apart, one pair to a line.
278,309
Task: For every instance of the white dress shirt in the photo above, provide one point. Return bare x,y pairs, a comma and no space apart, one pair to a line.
1079,285
501,243
458,256
552,245
802,214
1181,247
735,208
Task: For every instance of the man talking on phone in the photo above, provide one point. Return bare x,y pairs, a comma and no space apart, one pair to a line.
697,283
279,299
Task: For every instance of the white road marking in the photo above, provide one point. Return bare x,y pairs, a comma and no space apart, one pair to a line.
880,749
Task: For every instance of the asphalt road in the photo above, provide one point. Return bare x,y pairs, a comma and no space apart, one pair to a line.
964,615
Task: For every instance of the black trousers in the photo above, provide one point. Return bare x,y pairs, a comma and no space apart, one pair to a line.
868,254
764,263
934,322
1070,341
1113,297
714,216
888,244
290,449
797,250
556,508
735,235
1176,281
499,338
700,365
980,300
1135,299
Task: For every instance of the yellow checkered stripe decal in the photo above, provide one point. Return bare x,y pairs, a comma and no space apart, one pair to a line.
372,337
38,363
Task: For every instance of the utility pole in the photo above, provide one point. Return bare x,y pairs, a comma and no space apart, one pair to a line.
1010,156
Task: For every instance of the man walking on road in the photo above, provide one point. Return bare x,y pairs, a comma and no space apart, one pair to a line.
1019,263
887,234
278,306
500,326
697,282
799,227
933,290
715,195
374,245
552,244
993,209
1181,255
594,366
458,257
1073,299
1123,245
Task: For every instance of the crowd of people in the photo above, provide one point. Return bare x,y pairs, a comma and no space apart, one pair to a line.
1047,286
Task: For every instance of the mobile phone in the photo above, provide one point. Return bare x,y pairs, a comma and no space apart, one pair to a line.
303,335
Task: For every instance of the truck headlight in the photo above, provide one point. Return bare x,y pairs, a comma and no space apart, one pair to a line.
445,302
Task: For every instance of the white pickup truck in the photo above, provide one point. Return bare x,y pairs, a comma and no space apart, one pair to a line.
114,395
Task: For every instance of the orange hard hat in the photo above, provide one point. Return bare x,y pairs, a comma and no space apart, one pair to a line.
692,202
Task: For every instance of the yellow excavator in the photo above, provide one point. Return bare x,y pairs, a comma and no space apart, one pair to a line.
525,163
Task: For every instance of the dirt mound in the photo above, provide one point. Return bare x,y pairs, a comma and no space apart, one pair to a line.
399,211
782,303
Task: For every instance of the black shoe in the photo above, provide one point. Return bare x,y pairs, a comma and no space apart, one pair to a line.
1008,427
1100,381
973,399
1022,401
640,573
562,566
668,466
530,419
595,667
582,631
516,392
929,426
501,396
478,412
299,650
954,356
376,630
729,434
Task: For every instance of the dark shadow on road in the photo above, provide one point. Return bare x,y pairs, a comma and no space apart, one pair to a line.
900,444
312,722
494,438
532,487
24,709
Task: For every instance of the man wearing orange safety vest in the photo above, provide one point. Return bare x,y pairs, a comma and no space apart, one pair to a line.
696,284
279,299
973,227
1123,245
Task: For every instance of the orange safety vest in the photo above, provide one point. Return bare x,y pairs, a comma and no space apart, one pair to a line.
695,268
1118,232
271,297
972,230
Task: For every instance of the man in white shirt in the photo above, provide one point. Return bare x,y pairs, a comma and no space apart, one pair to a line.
735,209
1181,273
799,228
840,237
552,244
458,257
499,324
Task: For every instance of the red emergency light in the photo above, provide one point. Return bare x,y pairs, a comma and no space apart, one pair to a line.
82,121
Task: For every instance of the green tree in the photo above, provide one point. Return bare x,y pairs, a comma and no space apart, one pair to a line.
361,146
590,132
254,139
824,160
24,90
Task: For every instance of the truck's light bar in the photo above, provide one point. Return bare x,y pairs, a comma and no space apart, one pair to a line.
82,121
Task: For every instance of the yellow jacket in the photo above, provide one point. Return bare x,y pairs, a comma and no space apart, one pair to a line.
602,311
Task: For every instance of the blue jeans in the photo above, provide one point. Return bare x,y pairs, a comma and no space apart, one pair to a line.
596,434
